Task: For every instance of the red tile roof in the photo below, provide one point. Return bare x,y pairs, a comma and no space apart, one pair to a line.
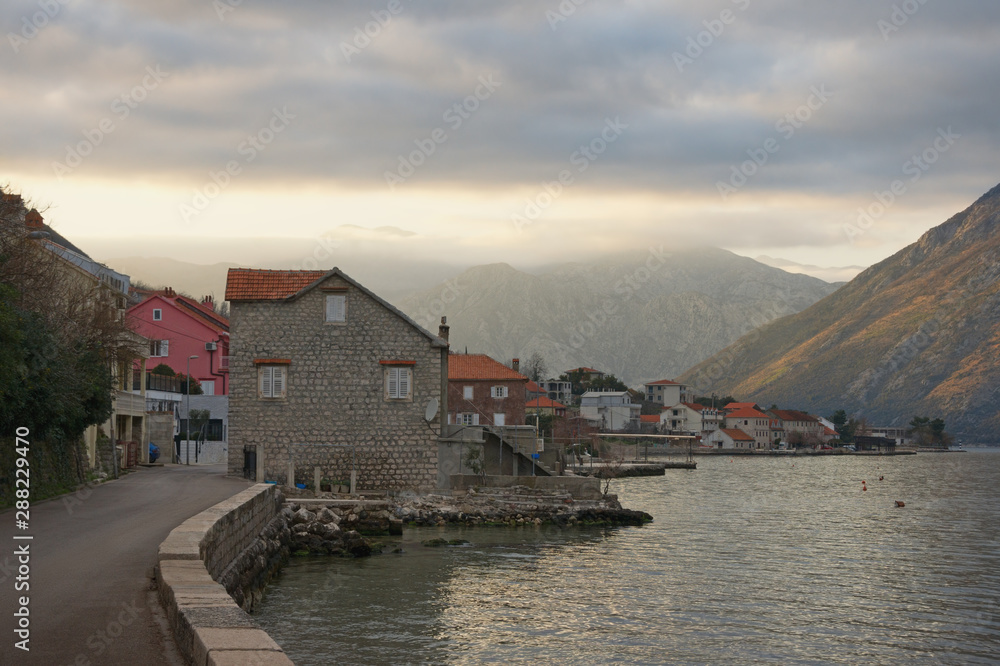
664,382
792,415
532,387
649,418
480,366
748,413
741,405
696,406
251,284
738,435
543,403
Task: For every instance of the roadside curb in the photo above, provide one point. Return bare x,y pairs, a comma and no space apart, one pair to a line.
209,626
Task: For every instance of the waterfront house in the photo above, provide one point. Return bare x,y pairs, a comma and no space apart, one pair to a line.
753,422
179,327
799,428
731,438
483,391
323,372
610,410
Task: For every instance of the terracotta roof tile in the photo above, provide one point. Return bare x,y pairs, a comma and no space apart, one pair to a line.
792,415
251,284
738,435
649,418
542,403
748,413
480,366
664,382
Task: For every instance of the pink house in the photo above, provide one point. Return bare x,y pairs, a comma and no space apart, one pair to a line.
179,327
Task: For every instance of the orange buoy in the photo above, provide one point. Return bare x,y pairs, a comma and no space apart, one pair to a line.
900,503
864,488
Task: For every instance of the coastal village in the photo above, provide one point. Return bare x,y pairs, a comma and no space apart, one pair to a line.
310,380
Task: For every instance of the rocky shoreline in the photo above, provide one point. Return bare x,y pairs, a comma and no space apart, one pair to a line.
344,527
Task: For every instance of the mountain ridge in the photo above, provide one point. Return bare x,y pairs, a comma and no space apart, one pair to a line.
916,332
641,315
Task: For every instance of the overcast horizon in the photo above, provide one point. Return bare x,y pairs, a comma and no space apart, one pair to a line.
830,135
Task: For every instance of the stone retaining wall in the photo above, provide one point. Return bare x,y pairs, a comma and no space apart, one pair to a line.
224,554
578,486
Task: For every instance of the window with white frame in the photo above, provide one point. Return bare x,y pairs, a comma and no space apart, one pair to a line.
157,314
336,308
159,348
273,380
467,392
468,419
398,383
498,391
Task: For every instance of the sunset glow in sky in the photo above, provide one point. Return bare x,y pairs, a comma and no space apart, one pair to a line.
526,132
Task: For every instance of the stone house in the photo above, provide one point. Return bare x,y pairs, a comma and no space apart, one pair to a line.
482,391
324,373
754,423
798,427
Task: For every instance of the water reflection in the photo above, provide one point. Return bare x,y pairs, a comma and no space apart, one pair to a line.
773,560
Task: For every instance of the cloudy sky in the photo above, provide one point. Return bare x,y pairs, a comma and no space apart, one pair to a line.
527,132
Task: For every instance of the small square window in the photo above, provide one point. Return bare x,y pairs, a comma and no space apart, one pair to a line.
157,314
398,384
336,308
498,391
272,381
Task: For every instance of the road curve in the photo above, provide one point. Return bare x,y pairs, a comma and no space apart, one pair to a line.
91,557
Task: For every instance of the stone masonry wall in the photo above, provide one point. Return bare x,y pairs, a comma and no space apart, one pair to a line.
213,567
335,392
483,404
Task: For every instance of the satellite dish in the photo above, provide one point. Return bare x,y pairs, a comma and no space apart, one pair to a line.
432,410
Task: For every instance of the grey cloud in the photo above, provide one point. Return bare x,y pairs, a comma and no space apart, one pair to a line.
353,120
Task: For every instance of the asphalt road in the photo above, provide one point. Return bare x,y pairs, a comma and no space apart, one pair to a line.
91,558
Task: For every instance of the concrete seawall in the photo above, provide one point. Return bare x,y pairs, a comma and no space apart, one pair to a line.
225,553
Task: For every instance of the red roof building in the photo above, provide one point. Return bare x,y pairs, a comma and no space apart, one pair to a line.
483,391
179,327
545,405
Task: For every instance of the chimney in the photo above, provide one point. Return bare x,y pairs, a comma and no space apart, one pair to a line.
516,365
169,292
33,220
443,329
208,301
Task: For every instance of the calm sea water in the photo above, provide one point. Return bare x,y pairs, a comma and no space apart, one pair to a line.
748,560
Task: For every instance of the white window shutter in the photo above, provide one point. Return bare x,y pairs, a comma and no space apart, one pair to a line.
265,382
475,419
393,380
336,307
499,419
278,388
404,382
165,348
